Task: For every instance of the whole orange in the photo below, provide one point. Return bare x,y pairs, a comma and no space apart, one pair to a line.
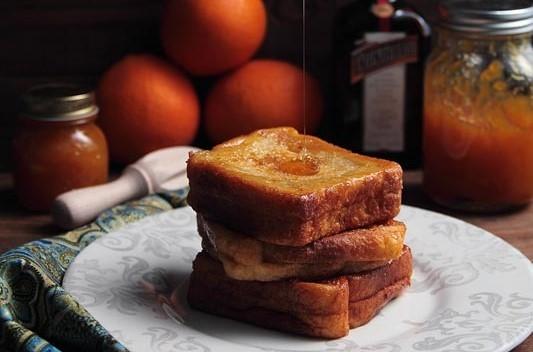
209,37
146,104
262,94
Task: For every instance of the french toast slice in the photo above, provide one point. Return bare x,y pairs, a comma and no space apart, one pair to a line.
308,308
372,243
325,309
246,258
289,189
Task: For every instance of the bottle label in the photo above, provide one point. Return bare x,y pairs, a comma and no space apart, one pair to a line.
382,49
381,61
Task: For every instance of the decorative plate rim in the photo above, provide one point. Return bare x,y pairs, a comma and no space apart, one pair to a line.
496,265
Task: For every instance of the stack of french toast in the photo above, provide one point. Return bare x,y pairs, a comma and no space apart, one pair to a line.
297,234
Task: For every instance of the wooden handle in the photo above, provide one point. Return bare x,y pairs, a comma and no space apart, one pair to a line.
78,207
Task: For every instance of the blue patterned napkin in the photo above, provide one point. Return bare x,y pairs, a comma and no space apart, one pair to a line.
36,314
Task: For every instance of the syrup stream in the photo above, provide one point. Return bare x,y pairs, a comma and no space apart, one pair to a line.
304,68
304,164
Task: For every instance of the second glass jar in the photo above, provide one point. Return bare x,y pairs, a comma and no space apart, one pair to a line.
57,147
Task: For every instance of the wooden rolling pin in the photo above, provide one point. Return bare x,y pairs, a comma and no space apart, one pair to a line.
159,171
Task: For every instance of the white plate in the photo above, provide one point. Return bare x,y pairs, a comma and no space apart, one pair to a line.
471,291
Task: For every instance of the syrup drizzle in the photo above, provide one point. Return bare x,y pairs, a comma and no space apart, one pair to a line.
304,164
304,81
304,65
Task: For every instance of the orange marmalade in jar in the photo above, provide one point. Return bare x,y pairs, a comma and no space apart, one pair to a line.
57,147
478,109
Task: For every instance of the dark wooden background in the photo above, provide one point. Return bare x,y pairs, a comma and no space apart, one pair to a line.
43,40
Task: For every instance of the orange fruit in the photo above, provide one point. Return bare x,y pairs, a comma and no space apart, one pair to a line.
146,104
209,37
262,94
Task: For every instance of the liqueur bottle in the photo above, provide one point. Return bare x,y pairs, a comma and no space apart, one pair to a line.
379,47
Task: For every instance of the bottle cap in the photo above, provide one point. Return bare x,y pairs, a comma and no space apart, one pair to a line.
487,17
58,102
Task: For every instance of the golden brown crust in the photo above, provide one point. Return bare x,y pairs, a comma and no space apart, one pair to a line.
366,284
316,309
321,309
371,291
361,312
243,257
350,191
374,243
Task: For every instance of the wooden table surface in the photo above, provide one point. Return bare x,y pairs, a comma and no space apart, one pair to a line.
17,226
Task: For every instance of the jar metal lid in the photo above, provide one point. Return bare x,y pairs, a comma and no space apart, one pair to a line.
487,17
58,102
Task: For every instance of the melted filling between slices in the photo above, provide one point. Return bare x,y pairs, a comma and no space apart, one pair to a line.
242,259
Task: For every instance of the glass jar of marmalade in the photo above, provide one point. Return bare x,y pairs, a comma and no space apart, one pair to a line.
57,146
478,111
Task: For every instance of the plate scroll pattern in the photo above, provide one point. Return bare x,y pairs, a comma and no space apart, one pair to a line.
479,291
